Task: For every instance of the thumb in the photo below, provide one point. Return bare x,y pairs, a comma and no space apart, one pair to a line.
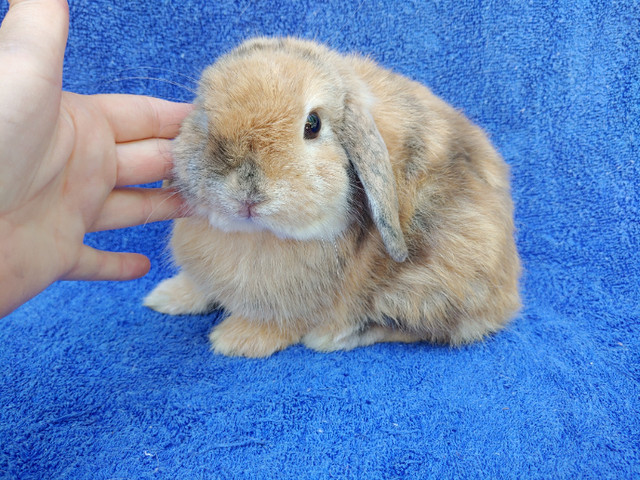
33,36
35,31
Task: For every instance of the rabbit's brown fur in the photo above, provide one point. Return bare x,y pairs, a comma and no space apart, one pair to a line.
348,245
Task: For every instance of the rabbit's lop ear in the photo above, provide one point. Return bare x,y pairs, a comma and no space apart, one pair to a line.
368,153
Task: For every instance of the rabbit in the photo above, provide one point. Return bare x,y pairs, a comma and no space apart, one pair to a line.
336,204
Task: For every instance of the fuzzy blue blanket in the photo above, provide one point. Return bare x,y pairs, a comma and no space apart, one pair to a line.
94,385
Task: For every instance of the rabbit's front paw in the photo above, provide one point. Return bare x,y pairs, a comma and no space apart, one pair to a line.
178,296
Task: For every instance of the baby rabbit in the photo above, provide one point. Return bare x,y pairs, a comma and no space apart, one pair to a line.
336,204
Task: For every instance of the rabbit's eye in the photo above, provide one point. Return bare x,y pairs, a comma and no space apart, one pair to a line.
312,127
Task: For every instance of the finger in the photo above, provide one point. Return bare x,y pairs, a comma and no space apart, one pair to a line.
136,117
143,161
126,207
35,32
100,265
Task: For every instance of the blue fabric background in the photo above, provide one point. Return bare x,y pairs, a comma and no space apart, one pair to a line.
93,385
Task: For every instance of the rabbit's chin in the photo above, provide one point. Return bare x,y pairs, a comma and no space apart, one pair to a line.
321,230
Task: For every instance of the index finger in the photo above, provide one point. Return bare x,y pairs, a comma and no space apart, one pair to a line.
137,117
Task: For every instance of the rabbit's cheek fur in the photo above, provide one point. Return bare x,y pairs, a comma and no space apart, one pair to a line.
306,214
310,197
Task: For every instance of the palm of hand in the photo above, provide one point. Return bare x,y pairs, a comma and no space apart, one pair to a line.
64,159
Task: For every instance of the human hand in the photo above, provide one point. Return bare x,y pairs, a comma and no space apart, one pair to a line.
65,158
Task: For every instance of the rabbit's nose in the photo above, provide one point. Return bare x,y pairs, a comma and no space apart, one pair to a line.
248,208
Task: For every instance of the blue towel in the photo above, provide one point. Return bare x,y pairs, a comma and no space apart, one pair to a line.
93,385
